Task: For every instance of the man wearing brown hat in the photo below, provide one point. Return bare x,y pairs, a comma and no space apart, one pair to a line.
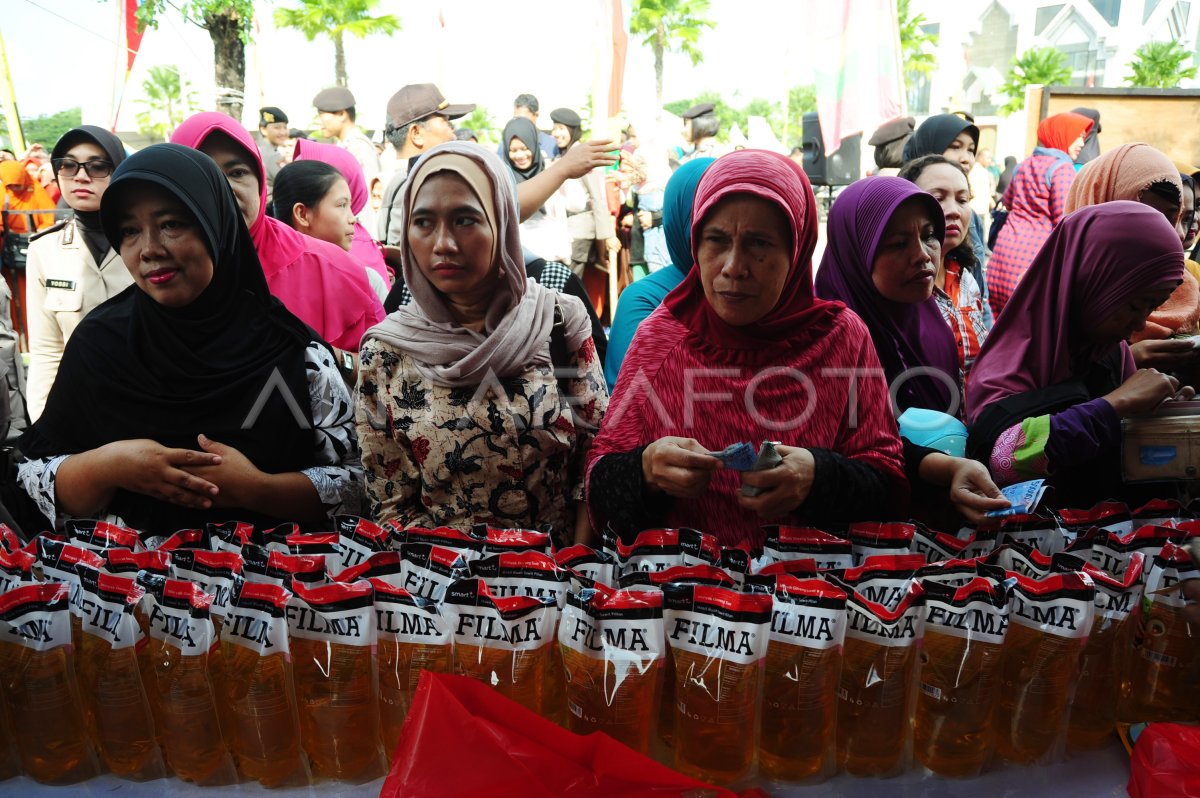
272,136
419,119
700,127
335,109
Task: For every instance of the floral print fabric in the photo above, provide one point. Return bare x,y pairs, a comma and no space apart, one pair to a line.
508,452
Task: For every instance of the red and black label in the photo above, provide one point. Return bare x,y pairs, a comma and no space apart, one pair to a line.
497,541
385,565
936,546
469,545
101,535
360,539
280,568
1113,516
230,535
680,574
124,561
799,543
187,539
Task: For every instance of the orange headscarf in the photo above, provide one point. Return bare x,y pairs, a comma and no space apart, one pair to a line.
29,197
1060,131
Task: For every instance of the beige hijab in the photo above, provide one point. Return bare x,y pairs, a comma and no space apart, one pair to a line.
1121,174
516,331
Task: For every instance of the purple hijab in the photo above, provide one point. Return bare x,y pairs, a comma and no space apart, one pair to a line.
906,336
363,248
1090,264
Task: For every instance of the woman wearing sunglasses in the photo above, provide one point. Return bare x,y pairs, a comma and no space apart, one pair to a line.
70,267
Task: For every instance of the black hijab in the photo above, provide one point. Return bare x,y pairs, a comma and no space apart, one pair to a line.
521,128
1091,144
935,134
138,369
114,150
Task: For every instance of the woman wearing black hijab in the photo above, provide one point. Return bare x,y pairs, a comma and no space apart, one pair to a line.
192,396
545,232
70,268
1091,142
957,140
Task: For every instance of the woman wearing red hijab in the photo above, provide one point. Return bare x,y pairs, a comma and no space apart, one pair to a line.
1035,199
314,279
741,351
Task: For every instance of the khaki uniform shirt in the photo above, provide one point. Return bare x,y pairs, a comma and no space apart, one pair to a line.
63,284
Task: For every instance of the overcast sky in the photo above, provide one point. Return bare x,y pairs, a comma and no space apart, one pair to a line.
61,54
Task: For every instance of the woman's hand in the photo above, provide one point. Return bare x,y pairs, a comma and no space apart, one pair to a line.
238,481
147,467
1144,391
973,492
1168,354
678,467
784,487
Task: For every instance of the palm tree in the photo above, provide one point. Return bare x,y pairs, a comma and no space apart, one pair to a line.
1159,65
913,42
169,98
336,18
670,26
1037,66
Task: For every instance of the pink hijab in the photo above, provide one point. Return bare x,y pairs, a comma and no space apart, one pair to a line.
363,247
1096,258
315,280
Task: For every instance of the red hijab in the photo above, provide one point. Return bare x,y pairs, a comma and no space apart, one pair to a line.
316,280
798,314
1059,132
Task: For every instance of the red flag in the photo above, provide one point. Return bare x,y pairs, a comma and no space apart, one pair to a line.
133,37
620,44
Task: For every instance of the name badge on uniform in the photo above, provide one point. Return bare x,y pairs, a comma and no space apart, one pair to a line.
66,285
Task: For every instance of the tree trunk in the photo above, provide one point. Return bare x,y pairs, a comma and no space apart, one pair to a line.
229,61
339,59
658,64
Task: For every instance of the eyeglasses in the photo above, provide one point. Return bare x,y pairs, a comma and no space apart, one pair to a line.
95,168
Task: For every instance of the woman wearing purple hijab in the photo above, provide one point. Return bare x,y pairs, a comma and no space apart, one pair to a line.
885,240
1055,377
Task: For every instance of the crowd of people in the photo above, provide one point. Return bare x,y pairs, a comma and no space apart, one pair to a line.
271,328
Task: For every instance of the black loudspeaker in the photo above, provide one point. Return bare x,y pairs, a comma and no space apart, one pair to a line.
839,168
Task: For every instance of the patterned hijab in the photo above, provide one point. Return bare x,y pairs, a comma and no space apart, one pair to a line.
516,331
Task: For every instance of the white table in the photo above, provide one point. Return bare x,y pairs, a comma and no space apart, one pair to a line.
1098,774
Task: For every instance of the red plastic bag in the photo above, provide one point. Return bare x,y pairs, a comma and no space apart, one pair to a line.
1164,762
515,752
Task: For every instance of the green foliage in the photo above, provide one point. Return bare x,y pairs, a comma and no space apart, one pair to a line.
1043,66
336,18
201,12
482,123
670,26
801,99
674,24
1159,65
915,43
169,100
49,128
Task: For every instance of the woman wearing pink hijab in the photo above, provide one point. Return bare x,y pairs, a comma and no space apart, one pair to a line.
315,280
1055,376
363,248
